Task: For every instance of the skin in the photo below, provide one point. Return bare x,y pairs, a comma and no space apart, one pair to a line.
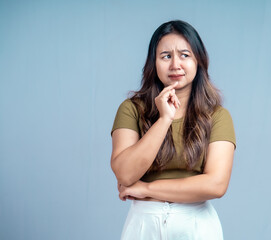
176,64
176,68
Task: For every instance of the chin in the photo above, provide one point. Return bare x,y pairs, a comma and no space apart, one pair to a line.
179,85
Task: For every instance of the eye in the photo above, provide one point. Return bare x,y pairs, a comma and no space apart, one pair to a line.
185,55
166,56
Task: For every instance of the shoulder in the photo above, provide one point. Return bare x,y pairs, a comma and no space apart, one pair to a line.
128,103
128,107
222,126
221,113
127,116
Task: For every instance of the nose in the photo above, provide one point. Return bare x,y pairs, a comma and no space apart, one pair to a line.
175,63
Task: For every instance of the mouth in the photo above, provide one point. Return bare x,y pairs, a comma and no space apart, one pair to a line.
176,76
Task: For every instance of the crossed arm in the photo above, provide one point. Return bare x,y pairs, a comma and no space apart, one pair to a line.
130,165
132,157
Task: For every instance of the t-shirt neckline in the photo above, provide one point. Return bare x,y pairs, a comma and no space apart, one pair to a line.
177,120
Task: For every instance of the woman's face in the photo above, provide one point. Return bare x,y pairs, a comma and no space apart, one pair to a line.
175,61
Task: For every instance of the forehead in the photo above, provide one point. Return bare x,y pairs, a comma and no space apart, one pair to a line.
173,41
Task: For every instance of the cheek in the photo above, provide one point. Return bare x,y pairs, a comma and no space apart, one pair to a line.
159,70
192,66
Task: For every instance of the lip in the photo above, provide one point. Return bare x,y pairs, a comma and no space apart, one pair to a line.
175,76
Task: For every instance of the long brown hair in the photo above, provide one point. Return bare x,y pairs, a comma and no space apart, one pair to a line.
203,100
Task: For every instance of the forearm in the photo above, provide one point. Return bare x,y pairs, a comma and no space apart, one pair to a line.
131,164
187,190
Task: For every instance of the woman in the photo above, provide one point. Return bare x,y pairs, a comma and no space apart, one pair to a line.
173,142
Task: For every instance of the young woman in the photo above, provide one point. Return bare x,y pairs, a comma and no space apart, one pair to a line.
173,142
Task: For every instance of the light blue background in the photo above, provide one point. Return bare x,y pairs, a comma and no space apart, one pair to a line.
65,66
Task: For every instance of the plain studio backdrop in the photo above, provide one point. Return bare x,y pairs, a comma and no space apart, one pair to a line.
65,66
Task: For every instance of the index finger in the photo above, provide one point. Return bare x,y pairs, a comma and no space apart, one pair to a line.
170,87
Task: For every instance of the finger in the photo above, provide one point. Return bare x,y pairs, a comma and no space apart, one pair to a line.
176,105
123,193
122,197
130,198
170,87
176,102
171,99
174,99
167,94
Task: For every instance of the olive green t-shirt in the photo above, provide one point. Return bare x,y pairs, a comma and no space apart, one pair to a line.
222,130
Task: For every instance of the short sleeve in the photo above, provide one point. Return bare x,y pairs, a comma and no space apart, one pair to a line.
222,127
126,117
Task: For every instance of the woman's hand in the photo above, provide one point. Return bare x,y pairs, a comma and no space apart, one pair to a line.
137,190
167,102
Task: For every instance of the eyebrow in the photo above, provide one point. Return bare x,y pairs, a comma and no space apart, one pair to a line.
181,51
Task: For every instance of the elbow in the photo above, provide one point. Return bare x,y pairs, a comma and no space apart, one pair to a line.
219,193
113,167
220,190
125,181
122,178
217,187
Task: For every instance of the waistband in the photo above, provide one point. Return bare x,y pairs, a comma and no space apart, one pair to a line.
161,207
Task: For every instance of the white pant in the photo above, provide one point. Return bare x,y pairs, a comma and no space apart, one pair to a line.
148,220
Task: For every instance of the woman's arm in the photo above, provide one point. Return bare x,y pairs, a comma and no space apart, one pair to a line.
213,183
131,156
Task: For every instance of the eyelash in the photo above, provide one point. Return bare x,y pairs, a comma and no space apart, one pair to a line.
185,56
165,57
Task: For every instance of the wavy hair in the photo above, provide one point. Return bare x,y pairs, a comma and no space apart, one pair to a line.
203,100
